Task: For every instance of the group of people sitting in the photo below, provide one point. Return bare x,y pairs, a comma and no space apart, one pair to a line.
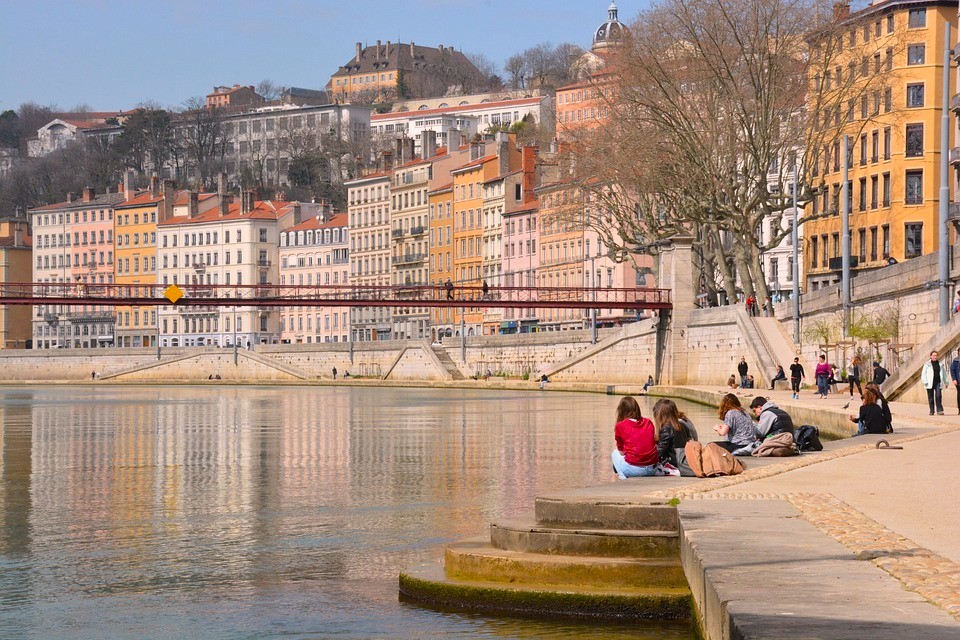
657,447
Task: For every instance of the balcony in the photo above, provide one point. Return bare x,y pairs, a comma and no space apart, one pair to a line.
199,267
954,156
955,102
397,234
263,262
88,317
418,231
409,258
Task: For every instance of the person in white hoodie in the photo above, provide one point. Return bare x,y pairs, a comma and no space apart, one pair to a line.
934,378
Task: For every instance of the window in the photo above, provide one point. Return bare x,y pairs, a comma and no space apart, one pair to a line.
913,239
914,95
814,250
863,194
886,190
874,191
887,100
916,54
914,187
863,244
873,243
875,146
917,18
890,23
886,143
886,241
863,149
914,140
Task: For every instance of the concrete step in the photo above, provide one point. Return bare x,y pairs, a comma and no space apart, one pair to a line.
429,584
606,514
528,536
447,363
478,560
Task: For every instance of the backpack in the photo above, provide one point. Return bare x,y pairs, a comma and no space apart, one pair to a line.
709,460
807,438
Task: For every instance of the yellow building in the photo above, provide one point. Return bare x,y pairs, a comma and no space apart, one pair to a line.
386,72
441,253
885,81
16,258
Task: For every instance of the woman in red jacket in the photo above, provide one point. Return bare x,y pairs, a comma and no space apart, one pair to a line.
636,452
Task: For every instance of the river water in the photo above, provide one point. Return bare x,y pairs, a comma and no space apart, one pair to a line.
274,512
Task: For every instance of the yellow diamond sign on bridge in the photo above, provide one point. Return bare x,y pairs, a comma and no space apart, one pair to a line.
173,293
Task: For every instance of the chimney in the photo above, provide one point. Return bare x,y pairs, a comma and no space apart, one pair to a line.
359,51
387,53
193,204
378,50
440,47
224,204
841,10
69,197
246,201
297,213
17,234
475,150
154,186
89,193
503,152
412,54
386,162
529,162
169,196
128,188
222,184
428,143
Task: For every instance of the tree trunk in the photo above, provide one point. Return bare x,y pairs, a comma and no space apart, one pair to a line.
729,285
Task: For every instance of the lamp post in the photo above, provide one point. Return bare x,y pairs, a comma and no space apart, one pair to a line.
845,235
944,242
794,235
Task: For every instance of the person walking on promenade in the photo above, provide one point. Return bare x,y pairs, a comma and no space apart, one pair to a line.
636,452
334,373
742,369
934,378
737,427
955,377
879,374
448,285
822,374
796,375
853,375
870,419
780,375
675,430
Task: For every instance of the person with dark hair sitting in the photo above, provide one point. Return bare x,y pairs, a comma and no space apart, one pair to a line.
780,375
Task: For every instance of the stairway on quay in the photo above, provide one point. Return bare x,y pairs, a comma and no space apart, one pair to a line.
580,554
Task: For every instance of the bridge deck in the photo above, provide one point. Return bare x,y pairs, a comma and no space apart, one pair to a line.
81,294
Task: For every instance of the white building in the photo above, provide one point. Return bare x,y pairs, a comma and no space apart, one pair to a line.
233,244
463,120
368,211
315,253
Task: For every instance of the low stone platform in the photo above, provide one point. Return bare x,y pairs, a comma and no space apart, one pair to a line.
759,570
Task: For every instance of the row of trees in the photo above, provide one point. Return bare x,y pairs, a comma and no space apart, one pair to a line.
191,145
706,109
545,66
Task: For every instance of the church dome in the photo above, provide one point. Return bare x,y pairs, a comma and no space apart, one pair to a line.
611,32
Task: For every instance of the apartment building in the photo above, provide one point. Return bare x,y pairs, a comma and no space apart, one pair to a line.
885,80
16,265
409,235
233,244
315,252
74,246
368,213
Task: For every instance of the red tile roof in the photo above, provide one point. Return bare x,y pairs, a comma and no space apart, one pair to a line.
338,220
262,210
474,164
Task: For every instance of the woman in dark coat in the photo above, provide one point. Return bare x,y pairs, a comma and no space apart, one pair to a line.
675,430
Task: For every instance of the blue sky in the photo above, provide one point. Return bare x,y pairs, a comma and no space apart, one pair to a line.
113,54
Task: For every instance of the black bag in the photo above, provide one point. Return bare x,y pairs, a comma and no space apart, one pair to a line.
807,438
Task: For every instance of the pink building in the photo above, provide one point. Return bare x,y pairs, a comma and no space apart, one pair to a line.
520,262
315,253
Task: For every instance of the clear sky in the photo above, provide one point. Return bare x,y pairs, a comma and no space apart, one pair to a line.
114,54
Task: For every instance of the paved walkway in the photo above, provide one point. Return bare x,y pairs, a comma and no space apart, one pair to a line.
897,508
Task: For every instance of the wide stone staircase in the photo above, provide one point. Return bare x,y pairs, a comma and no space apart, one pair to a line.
447,362
572,557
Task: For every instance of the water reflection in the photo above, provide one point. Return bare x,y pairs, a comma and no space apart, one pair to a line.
248,512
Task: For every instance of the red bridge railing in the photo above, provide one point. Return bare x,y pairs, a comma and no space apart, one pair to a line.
36,293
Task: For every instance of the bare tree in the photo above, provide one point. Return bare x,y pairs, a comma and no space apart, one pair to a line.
516,70
702,117
269,90
201,135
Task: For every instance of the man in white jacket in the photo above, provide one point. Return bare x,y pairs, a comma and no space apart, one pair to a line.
934,378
